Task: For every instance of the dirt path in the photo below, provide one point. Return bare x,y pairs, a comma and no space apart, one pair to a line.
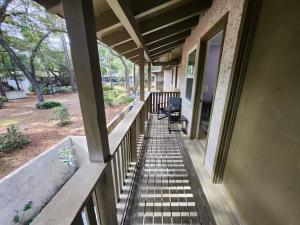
38,126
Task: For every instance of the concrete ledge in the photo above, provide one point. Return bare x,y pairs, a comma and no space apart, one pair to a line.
38,180
11,95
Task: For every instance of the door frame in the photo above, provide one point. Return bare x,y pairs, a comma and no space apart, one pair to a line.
245,41
219,26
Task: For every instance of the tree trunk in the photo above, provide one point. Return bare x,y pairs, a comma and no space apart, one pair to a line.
127,78
2,92
68,62
29,75
109,64
14,75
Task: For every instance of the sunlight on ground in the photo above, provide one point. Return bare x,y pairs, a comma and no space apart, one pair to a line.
7,122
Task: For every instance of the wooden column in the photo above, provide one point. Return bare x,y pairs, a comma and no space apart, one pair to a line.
149,77
176,75
142,75
79,15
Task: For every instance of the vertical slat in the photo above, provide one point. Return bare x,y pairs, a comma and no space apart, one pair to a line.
133,141
78,219
91,211
123,161
119,165
116,177
106,203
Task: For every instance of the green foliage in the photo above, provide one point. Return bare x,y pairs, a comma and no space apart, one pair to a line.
45,90
63,89
116,96
124,99
47,104
12,139
106,87
2,100
21,219
61,115
67,157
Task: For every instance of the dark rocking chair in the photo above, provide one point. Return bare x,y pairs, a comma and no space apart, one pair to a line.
172,112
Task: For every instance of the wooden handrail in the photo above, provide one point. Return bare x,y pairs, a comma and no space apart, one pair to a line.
82,190
71,198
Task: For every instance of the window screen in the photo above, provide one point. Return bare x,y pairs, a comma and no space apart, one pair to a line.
189,87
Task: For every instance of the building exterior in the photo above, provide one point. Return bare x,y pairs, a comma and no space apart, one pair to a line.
235,65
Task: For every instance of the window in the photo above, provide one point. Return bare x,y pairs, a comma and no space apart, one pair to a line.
190,72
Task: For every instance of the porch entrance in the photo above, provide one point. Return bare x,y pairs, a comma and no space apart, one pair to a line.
208,84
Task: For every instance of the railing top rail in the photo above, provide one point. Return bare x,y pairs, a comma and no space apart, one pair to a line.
161,92
67,203
116,136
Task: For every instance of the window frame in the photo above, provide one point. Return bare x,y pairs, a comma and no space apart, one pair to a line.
190,76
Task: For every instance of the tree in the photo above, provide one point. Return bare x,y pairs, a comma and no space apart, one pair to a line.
23,28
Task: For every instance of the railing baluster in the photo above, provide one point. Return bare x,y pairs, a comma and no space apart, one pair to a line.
116,178
106,204
91,211
78,219
120,169
123,161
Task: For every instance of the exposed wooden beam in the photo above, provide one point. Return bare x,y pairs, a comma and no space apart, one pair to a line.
116,38
171,30
169,40
174,16
122,10
169,46
173,62
107,20
156,55
125,47
131,54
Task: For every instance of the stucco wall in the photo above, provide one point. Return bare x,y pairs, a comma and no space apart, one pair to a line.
167,80
262,173
219,8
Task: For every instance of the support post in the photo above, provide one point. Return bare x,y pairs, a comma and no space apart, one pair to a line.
142,75
133,142
176,74
79,15
149,77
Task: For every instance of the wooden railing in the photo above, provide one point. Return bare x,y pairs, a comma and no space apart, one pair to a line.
161,98
81,200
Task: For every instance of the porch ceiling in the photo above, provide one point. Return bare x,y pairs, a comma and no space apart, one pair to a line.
157,26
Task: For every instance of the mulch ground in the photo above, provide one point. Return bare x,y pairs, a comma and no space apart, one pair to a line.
40,128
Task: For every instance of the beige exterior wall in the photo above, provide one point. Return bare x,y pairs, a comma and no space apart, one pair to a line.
262,173
218,10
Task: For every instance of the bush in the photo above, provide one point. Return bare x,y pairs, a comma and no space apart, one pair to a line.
30,88
123,99
47,104
63,89
12,139
2,100
45,90
106,87
61,115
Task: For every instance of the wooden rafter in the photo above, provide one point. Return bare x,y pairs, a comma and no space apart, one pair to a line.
166,47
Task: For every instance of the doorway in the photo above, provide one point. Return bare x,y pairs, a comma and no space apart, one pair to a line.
213,49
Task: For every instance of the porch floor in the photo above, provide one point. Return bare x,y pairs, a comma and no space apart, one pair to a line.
165,190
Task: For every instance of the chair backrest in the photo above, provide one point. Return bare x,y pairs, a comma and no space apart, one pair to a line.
175,102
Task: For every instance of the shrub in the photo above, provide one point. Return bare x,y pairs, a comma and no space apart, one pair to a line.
124,99
63,89
30,88
106,87
107,99
61,115
2,100
47,104
45,90
12,139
